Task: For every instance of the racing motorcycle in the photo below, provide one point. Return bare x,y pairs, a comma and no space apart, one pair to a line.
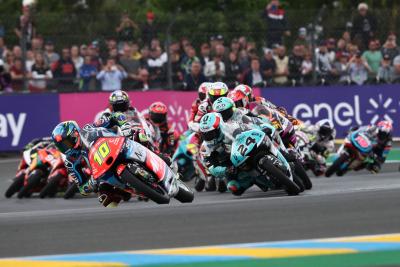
46,174
117,160
188,162
309,158
18,181
254,154
354,154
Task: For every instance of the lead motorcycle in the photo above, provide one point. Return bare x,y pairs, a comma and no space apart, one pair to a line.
254,154
354,154
128,165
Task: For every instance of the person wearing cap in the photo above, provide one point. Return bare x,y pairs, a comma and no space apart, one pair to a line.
205,52
149,30
50,56
364,24
373,57
385,70
302,38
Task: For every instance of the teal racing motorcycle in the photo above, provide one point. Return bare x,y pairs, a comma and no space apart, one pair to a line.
254,156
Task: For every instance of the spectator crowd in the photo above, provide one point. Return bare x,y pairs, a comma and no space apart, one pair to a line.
355,56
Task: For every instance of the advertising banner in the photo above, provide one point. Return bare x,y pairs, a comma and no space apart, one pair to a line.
83,107
344,106
25,117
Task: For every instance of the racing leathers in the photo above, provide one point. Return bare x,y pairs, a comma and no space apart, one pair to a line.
30,149
166,137
380,149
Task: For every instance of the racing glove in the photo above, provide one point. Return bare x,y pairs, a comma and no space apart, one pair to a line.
218,172
88,187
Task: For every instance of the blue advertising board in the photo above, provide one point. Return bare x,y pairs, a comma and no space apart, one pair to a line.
24,117
344,106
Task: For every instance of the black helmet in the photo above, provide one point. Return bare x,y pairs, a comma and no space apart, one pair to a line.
119,100
326,130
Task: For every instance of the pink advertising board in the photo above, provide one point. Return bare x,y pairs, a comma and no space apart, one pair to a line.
83,107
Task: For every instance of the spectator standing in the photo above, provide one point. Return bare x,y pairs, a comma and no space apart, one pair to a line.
232,67
215,69
126,29
50,56
76,58
64,70
282,66
94,56
149,30
144,82
30,60
276,21
341,68
87,74
390,47
302,38
5,79
323,64
190,57
254,76
295,64
307,68
205,54
385,71
111,76
358,70
40,73
130,65
156,66
396,70
364,25
3,48
25,22
17,75
373,57
195,78
268,66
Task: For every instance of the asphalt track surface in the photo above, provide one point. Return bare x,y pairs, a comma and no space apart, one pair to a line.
357,204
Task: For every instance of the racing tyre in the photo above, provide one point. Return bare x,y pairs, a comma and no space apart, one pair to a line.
157,194
211,184
33,180
290,186
16,185
335,167
222,186
71,191
199,184
51,187
299,182
302,174
185,194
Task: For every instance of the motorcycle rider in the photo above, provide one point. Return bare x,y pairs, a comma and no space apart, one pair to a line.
202,95
166,134
31,148
322,136
381,136
73,142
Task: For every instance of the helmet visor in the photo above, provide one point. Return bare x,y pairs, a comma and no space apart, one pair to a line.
227,114
67,143
158,117
121,106
325,132
211,135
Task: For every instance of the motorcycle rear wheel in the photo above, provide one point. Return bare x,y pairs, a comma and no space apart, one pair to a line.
33,180
17,184
290,186
302,174
158,195
335,167
199,184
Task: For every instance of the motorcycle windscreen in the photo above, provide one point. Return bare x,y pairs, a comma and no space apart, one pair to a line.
103,154
244,144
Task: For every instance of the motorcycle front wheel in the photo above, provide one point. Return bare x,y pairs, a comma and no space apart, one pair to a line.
16,185
158,194
335,167
33,180
185,194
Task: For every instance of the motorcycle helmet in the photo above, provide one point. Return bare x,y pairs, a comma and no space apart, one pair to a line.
326,130
217,90
158,113
246,90
119,101
210,127
203,89
224,106
66,137
385,129
239,98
